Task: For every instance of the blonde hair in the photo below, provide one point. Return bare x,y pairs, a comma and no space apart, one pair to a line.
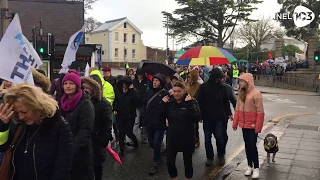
32,97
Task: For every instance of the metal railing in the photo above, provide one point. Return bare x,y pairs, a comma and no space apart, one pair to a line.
297,82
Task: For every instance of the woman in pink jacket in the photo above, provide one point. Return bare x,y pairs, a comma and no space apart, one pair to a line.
249,115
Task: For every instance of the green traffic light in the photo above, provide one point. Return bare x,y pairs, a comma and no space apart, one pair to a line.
41,50
316,58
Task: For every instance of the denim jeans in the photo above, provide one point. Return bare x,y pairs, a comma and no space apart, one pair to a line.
155,138
218,129
250,141
235,82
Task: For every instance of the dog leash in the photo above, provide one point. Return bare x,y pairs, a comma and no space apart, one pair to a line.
260,137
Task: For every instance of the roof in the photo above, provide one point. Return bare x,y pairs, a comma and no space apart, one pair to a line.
112,24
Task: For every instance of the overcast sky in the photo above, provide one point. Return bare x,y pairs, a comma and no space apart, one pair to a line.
146,15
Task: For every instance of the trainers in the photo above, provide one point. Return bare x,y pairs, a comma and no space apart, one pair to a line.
153,169
209,162
248,171
255,174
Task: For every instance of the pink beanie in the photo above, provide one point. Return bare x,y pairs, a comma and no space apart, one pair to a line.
73,76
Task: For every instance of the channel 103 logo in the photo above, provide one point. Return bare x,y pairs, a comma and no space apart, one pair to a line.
302,16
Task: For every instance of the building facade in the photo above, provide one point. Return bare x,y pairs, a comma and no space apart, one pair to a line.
121,41
271,45
156,54
62,18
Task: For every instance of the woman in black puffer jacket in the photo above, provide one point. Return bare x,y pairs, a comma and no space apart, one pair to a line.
43,149
102,123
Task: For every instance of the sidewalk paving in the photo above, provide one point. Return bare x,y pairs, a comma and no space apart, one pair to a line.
299,152
273,90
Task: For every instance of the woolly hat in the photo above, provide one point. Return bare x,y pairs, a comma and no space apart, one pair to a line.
105,69
74,77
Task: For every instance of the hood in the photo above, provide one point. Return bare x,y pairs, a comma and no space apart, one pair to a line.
97,72
194,74
140,71
161,79
124,79
215,74
248,77
40,80
94,85
176,75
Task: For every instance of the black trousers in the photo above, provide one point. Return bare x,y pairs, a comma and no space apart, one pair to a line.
250,141
196,132
187,160
125,127
98,172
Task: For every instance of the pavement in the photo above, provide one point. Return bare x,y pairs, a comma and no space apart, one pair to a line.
272,90
299,151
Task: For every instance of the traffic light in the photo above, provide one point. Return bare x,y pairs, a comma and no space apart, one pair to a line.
41,50
316,55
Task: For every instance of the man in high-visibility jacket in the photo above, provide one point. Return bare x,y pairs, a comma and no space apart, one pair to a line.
235,76
107,88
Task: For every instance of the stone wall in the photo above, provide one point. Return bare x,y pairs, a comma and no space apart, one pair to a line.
60,18
312,46
279,43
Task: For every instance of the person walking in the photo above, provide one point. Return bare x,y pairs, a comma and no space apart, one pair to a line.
215,109
249,115
192,87
79,112
182,112
154,119
142,85
43,148
102,123
125,110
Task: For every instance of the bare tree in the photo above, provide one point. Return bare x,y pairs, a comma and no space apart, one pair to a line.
91,24
258,32
88,5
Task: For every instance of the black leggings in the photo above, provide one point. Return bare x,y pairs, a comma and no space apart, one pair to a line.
125,127
250,141
171,163
98,172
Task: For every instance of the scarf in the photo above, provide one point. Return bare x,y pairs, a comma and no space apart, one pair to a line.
69,104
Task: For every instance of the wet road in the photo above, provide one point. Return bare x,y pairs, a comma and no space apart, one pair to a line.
137,163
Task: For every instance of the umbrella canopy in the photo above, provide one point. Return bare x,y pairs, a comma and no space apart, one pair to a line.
206,56
154,67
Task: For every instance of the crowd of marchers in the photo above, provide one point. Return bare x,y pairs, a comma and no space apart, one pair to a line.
59,130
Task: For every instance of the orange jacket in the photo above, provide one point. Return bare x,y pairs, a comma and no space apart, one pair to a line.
249,114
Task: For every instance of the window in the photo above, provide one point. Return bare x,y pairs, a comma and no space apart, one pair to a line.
116,52
133,53
125,37
133,38
116,36
125,25
125,52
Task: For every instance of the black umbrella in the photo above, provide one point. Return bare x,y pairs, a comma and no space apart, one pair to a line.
154,67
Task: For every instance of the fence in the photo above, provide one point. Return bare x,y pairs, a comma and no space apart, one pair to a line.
289,81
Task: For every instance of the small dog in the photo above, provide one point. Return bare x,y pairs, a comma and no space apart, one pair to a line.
271,146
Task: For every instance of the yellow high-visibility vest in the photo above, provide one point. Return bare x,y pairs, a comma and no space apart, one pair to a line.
235,73
127,66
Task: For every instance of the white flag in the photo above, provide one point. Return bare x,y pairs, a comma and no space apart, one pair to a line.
17,55
70,54
86,73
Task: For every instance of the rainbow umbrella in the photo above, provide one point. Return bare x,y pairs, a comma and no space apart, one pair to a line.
206,56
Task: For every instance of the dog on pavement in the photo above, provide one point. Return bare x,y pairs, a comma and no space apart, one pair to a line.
271,147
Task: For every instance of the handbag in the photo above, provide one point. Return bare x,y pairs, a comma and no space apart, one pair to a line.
6,162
